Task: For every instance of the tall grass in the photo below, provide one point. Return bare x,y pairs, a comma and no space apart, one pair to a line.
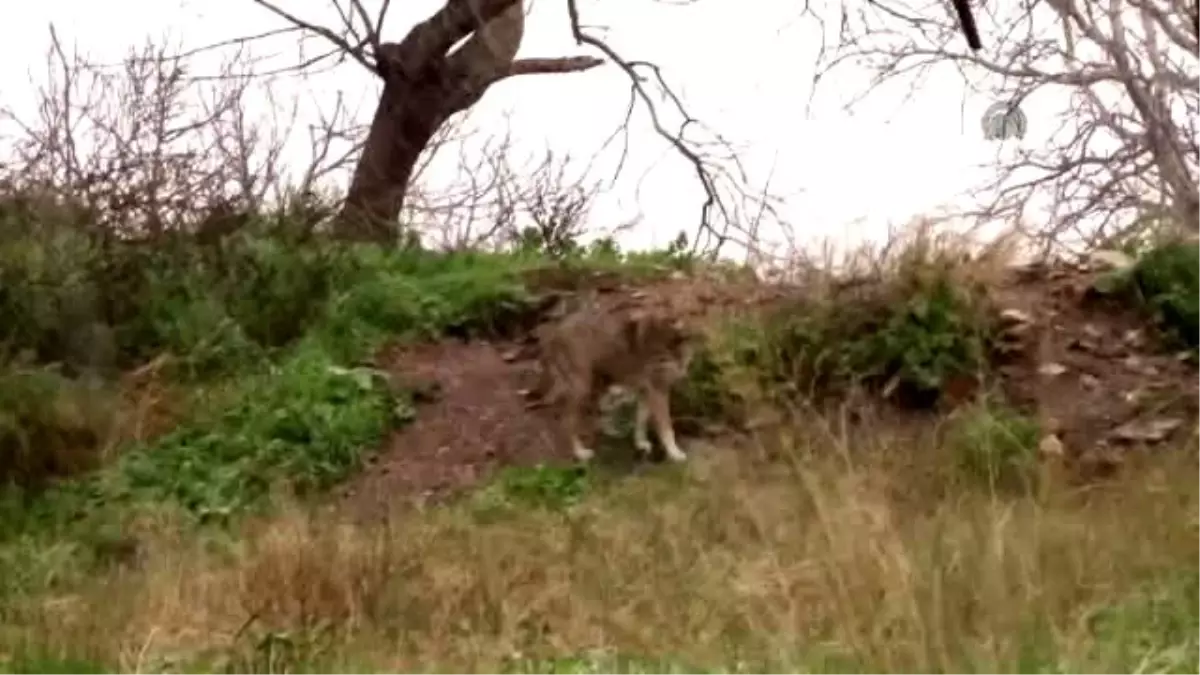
831,558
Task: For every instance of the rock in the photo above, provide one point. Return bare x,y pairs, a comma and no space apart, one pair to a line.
1139,365
1089,381
1133,396
1051,369
1147,431
1050,447
1082,345
1015,317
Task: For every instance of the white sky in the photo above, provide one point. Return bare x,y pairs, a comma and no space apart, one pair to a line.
879,167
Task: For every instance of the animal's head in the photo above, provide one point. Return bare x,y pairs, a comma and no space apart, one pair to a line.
650,331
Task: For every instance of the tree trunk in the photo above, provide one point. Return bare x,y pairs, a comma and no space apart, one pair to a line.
420,92
405,120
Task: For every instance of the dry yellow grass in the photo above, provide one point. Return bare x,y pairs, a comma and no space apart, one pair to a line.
852,551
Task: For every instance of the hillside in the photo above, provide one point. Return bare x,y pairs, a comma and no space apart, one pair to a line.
279,456
1103,388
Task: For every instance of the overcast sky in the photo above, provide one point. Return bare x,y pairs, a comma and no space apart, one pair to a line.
747,75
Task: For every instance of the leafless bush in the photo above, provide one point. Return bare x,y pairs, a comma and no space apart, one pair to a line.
498,201
146,146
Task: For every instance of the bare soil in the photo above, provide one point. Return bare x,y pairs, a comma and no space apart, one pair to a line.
1094,370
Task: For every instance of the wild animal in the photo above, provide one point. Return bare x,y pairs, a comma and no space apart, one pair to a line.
592,349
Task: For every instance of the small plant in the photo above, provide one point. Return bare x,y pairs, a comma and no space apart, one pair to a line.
994,445
934,336
1168,279
705,397
545,486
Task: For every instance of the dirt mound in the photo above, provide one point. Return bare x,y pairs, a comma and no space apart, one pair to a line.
475,422
474,418
1091,370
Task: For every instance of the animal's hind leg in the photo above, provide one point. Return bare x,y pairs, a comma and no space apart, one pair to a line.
659,403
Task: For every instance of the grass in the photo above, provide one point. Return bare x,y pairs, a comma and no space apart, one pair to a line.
902,542
833,558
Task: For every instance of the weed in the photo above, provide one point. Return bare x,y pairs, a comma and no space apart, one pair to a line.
994,445
545,486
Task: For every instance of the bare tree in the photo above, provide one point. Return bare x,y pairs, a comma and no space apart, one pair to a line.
1122,157
426,82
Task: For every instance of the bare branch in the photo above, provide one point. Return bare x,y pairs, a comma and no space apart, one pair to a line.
1125,72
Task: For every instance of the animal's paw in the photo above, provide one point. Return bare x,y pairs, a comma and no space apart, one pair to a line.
584,453
676,455
643,445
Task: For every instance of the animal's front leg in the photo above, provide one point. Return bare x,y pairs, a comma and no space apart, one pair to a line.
641,426
570,422
660,408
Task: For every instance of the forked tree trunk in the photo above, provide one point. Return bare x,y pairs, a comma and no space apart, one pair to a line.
423,87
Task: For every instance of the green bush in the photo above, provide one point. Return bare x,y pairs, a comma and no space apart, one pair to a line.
1168,280
905,338
275,291
422,295
707,397
307,423
215,309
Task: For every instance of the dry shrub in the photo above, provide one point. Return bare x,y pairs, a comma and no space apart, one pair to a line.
49,425
912,320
